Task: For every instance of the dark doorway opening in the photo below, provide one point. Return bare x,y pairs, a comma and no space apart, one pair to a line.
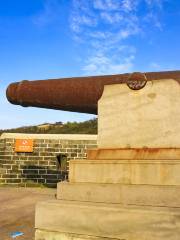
62,165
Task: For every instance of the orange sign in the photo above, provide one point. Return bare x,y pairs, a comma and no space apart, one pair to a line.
24,145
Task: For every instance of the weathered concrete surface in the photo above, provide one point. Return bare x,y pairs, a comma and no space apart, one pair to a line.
149,117
142,195
17,208
50,235
159,172
108,220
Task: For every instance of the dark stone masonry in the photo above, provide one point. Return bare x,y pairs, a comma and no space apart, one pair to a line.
47,164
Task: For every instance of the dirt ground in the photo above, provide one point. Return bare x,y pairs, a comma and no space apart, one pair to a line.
17,210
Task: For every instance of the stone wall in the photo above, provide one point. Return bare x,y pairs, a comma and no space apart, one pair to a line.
47,165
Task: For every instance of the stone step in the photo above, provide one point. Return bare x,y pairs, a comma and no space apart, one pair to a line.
50,235
108,220
141,195
134,154
151,172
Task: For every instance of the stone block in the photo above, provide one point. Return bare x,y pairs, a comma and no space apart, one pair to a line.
43,163
108,220
42,171
2,181
9,175
13,180
149,117
30,171
151,172
7,166
142,195
2,170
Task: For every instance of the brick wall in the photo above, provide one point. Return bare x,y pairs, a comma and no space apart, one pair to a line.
47,165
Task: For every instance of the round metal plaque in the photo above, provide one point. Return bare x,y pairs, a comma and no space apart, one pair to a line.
137,81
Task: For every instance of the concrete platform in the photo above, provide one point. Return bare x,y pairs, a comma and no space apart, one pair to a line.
141,172
142,195
108,220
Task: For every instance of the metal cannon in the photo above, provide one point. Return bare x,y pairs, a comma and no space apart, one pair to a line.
78,94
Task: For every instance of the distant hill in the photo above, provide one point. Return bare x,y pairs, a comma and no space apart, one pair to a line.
87,127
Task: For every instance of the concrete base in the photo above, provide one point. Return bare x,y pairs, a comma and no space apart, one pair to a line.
133,191
121,199
140,195
108,220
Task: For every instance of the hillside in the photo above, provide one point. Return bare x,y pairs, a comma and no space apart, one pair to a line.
86,127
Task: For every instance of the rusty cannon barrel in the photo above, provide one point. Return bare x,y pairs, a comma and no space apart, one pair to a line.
78,94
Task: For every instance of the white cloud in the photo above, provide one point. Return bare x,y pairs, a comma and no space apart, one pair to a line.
101,64
106,4
105,25
111,17
155,3
155,66
48,14
129,5
77,21
150,18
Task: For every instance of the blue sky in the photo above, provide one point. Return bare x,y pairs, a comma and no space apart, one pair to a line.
41,39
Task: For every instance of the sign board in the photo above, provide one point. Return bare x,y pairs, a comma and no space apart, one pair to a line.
24,145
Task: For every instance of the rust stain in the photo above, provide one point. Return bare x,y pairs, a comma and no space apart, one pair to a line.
135,154
152,95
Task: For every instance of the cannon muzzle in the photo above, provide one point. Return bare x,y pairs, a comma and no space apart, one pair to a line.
79,94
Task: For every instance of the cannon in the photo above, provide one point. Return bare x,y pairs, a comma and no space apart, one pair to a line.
77,94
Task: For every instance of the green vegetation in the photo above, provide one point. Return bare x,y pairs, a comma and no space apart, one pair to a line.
87,127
